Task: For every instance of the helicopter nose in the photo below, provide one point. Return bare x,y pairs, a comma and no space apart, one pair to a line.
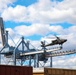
65,40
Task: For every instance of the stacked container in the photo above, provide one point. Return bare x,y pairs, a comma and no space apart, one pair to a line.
15,70
56,71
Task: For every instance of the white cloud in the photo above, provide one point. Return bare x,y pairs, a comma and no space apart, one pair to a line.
15,14
5,3
39,29
60,62
43,11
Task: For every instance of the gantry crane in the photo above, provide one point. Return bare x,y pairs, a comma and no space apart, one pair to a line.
22,52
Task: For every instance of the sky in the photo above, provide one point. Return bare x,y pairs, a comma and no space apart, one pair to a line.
37,19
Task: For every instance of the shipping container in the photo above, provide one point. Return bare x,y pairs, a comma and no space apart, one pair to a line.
38,71
56,71
15,70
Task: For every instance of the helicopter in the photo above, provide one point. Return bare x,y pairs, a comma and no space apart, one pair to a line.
58,40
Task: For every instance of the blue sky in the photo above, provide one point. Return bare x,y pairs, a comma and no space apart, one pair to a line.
25,2
36,19
28,5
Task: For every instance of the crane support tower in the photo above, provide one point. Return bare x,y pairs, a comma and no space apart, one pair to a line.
2,32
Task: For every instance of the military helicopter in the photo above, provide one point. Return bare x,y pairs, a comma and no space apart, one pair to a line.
58,40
